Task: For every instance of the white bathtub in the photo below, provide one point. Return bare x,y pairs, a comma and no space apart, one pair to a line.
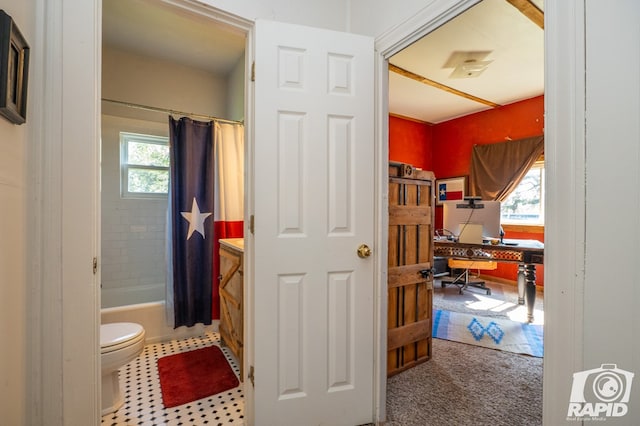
131,294
152,317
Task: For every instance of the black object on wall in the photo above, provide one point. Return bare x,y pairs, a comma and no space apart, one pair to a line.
14,71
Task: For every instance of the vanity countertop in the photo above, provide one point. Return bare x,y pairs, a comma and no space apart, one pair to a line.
234,243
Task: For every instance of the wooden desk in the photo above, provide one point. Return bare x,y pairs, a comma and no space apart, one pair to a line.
526,253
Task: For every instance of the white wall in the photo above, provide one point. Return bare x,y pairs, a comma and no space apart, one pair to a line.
235,83
148,81
14,189
375,17
611,291
330,14
13,290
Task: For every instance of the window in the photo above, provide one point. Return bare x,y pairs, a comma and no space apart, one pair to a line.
525,205
144,165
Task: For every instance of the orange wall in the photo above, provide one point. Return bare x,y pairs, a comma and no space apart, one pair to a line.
445,148
411,142
454,139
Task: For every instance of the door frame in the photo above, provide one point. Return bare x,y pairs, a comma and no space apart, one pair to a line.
565,189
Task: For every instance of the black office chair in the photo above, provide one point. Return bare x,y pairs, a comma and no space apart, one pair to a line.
460,274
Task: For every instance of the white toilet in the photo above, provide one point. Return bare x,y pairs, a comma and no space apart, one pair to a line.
120,343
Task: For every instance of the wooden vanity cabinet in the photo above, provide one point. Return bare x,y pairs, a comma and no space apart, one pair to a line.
231,291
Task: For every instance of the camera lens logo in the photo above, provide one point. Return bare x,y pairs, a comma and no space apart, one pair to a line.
607,387
601,392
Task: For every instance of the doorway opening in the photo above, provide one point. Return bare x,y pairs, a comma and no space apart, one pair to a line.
159,59
424,65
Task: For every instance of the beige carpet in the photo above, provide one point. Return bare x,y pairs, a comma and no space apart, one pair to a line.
469,385
502,303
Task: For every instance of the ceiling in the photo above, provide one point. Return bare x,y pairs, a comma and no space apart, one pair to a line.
493,30
420,82
156,29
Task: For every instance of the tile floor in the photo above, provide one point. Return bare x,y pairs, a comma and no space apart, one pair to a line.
143,397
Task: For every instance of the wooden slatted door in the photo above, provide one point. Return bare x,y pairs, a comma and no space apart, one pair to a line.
410,283
231,299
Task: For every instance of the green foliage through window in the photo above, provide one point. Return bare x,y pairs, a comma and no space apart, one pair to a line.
144,165
525,205
148,154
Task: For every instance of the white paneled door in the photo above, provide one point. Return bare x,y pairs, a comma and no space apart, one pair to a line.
314,207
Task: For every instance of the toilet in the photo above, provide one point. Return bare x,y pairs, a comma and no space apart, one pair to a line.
120,343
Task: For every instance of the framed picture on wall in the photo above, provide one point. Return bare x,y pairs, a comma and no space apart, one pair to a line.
454,188
14,70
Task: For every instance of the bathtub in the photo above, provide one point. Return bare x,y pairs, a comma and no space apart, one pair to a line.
131,294
152,317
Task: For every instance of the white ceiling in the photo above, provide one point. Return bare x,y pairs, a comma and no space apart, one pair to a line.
151,28
515,43
516,47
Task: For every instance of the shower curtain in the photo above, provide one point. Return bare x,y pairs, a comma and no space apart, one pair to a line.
206,185
229,194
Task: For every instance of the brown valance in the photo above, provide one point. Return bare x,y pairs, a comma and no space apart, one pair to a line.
497,169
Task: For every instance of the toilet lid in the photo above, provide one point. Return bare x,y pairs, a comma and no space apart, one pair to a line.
116,333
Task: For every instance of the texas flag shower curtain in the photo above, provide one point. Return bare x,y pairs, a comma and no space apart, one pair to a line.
206,187
229,194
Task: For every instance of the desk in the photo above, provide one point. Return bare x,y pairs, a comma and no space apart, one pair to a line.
526,253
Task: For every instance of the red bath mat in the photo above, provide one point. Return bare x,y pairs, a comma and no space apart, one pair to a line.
192,375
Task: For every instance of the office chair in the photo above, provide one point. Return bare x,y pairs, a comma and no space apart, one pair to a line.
460,274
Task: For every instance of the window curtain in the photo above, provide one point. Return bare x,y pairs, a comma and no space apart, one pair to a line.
190,222
497,169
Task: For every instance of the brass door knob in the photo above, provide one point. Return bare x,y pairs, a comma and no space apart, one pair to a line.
364,251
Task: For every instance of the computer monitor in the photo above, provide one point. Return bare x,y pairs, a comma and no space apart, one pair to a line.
458,214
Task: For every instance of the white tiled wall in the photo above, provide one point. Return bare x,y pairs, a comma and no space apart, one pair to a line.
133,230
133,251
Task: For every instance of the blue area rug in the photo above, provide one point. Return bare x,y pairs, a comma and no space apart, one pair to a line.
494,333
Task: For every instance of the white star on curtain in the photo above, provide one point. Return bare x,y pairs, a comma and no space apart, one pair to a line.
195,219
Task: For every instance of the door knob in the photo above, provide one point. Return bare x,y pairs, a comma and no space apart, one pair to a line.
364,251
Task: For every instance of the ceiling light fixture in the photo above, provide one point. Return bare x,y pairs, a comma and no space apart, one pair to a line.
467,64
469,69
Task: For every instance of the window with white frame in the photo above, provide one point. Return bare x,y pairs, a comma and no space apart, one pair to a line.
525,205
144,165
